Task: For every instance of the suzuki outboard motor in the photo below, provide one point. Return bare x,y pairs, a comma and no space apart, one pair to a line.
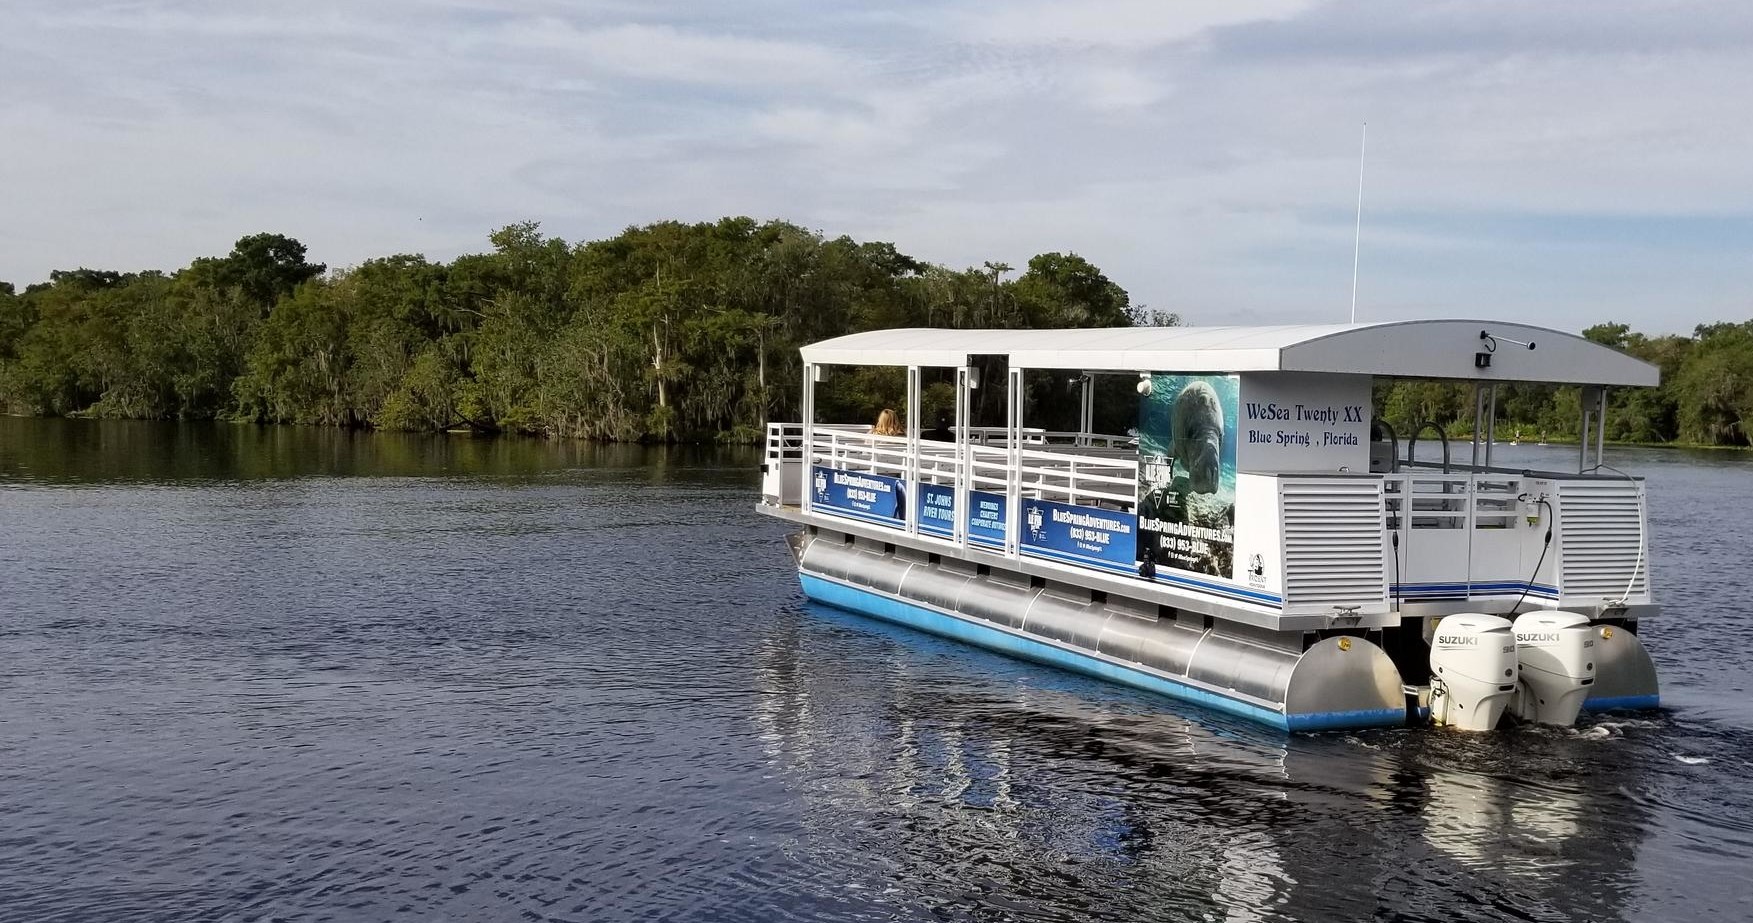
1557,655
1473,671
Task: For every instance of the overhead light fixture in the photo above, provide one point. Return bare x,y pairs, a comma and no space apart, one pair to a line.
1482,359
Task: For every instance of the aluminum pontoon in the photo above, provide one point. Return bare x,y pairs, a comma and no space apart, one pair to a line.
1259,543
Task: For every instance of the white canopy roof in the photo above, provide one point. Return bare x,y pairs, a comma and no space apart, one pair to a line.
1402,349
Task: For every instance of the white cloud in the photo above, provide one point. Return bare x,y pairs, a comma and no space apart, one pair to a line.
1120,23
1564,161
666,53
1116,88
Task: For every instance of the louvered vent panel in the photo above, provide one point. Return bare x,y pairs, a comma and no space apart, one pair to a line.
1600,540
1332,542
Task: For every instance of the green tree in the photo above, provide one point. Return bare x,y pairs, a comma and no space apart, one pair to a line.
297,369
668,330
263,267
1066,290
1715,386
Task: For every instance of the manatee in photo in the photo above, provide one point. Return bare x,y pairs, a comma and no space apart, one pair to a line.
1199,436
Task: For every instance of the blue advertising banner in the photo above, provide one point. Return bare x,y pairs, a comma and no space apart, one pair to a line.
986,518
937,509
1081,535
857,495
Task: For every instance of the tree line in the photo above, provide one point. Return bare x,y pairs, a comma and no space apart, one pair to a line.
1705,398
667,331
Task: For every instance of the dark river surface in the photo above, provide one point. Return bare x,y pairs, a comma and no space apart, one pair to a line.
297,674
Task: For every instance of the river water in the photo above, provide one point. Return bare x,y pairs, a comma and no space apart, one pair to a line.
298,674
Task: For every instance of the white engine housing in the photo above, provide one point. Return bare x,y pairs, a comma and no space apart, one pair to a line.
1557,655
1473,671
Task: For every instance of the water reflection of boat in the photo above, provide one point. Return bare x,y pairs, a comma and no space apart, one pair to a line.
974,786
1030,790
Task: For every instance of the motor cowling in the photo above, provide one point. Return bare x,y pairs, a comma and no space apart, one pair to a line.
1473,668
1556,653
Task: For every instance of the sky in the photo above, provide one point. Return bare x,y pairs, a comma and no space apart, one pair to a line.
1563,163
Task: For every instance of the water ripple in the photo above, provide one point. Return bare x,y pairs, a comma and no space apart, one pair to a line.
591,692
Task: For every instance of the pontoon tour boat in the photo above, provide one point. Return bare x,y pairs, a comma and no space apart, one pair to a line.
1259,543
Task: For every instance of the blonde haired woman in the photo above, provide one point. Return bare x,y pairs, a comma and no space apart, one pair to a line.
888,424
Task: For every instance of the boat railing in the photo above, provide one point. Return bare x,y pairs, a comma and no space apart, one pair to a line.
784,442
1419,500
1079,480
861,451
1059,476
1484,534
988,469
1418,533
1047,472
999,436
1465,468
783,463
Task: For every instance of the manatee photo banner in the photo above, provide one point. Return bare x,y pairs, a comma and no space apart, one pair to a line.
1187,473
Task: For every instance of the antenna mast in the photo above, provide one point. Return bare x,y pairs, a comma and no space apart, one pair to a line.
1357,235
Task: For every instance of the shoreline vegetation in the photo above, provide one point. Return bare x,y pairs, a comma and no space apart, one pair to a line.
1705,399
666,332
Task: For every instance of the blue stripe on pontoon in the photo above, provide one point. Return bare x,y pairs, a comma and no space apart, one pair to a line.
1462,584
889,608
1249,595
1033,552
1623,703
1464,589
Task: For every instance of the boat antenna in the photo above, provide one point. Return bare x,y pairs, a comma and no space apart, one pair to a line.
1357,235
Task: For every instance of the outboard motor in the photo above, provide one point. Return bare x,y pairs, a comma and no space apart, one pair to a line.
1473,671
1557,655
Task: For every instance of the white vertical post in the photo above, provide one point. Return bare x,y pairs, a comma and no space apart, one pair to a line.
964,464
1582,458
1478,421
809,437
1013,418
1490,422
1087,413
910,515
1357,235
